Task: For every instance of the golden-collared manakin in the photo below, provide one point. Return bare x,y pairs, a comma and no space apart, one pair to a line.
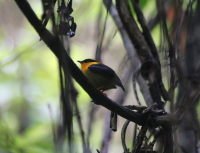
100,75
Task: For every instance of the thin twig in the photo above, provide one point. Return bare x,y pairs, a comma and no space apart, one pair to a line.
98,35
123,136
99,46
134,135
140,139
80,127
91,119
134,78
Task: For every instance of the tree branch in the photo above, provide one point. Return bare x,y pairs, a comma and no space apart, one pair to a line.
151,44
131,52
140,139
57,48
133,31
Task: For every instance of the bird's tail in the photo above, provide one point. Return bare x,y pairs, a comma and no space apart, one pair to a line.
119,83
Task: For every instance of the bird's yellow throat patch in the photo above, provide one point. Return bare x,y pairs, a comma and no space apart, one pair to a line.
84,66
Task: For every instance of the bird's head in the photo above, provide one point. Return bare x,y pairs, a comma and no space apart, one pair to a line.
86,63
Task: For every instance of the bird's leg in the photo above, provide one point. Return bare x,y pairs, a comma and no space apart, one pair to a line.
100,89
103,93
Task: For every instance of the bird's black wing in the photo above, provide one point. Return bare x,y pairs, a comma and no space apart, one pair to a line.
102,70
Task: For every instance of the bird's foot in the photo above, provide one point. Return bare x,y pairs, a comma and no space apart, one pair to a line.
103,93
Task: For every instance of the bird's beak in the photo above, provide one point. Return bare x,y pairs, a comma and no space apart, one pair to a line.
79,61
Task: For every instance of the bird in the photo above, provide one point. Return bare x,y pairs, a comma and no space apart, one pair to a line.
101,76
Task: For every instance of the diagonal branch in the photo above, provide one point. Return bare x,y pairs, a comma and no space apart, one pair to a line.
57,48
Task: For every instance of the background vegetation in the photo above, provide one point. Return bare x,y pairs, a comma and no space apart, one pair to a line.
30,108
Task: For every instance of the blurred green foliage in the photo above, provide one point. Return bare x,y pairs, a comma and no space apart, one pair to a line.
29,77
